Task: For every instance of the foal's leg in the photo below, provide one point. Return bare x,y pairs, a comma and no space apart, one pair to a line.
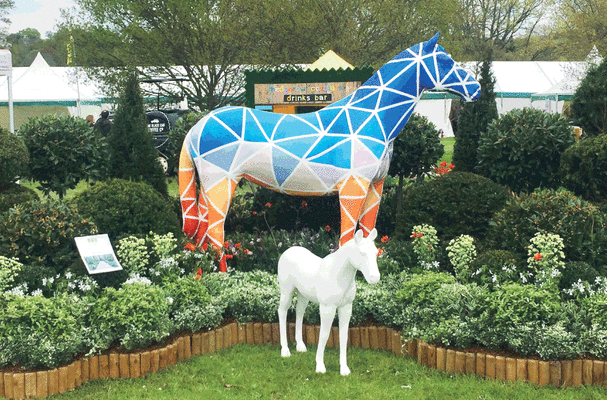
285,302
344,313
300,309
327,313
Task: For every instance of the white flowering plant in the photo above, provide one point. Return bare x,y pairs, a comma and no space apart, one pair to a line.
462,252
425,245
546,258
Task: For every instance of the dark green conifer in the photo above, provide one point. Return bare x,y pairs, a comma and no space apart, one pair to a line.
133,152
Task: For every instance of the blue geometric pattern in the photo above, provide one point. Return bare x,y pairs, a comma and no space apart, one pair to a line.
312,152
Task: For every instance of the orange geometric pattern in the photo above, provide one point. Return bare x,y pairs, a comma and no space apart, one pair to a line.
352,196
371,207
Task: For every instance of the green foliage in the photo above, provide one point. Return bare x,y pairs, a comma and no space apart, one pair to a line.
36,332
9,270
583,168
136,316
178,133
421,288
581,225
14,158
522,149
589,103
14,194
462,252
63,151
474,119
133,155
120,207
497,267
456,203
416,149
577,274
192,308
40,234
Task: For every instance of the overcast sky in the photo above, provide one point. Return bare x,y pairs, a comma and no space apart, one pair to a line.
38,14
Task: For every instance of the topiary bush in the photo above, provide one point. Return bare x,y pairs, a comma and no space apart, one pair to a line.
120,207
40,234
14,157
456,203
522,149
192,307
589,103
581,225
497,267
583,168
63,151
14,194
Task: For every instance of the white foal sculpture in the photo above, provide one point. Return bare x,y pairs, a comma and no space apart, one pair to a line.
329,282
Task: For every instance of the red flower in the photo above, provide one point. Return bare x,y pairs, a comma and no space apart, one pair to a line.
451,166
328,228
199,272
443,164
237,245
254,212
229,256
268,205
304,204
190,246
384,239
247,251
197,277
416,235
226,245
205,246
379,252
537,257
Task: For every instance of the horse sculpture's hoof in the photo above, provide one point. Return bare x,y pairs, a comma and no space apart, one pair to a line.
301,347
344,370
320,368
285,352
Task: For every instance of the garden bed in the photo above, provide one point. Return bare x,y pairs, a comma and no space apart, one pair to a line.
41,384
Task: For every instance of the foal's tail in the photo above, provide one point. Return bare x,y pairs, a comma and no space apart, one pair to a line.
194,210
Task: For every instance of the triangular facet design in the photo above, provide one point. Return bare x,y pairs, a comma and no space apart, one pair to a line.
339,157
361,94
340,125
267,120
373,129
253,131
216,135
368,172
370,103
234,118
389,71
328,174
376,148
389,98
223,156
260,167
304,180
327,115
373,81
310,118
283,164
325,143
291,127
392,116
246,151
430,65
298,147
358,118
362,154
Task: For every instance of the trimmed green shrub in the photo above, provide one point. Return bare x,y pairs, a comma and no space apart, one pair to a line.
474,119
192,307
40,333
589,103
136,316
581,225
497,267
14,158
576,271
40,234
522,149
63,151
14,194
583,168
457,203
120,207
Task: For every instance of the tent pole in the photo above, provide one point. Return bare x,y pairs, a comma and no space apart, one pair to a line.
11,114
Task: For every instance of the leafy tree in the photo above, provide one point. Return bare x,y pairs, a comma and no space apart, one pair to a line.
24,46
5,7
133,153
416,150
63,151
589,104
474,119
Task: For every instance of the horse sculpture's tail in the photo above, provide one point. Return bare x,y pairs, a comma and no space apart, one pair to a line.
194,210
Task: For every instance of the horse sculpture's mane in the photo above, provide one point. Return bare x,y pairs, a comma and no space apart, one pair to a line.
344,148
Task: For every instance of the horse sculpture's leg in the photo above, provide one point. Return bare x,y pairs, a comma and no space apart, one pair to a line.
352,195
203,216
187,194
344,313
285,303
327,313
371,207
300,309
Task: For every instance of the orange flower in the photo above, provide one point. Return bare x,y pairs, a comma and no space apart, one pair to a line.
247,251
197,277
537,257
379,252
268,205
237,245
328,228
190,246
226,245
229,256
254,212
384,239
451,166
205,246
443,164
199,272
304,204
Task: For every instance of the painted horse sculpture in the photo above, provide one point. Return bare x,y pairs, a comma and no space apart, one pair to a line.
344,148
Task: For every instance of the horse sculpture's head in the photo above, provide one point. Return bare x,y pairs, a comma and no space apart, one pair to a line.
443,73
364,255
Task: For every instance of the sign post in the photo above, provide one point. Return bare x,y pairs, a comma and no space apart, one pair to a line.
6,69
97,254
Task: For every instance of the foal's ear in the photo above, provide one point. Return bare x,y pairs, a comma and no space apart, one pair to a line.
358,236
373,234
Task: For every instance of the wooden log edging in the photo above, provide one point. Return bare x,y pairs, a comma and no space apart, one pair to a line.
41,384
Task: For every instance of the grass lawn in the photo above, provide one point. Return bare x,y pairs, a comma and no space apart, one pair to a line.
448,143
259,372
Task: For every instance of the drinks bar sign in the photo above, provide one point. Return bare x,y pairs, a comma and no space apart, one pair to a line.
303,93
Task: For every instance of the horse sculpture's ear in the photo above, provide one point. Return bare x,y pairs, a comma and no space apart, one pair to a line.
373,234
358,236
432,42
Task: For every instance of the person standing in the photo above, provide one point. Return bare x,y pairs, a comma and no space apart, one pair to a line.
103,124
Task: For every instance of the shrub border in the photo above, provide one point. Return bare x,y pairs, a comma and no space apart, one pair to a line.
41,384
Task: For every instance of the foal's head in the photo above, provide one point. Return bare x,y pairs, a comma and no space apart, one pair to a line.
363,255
